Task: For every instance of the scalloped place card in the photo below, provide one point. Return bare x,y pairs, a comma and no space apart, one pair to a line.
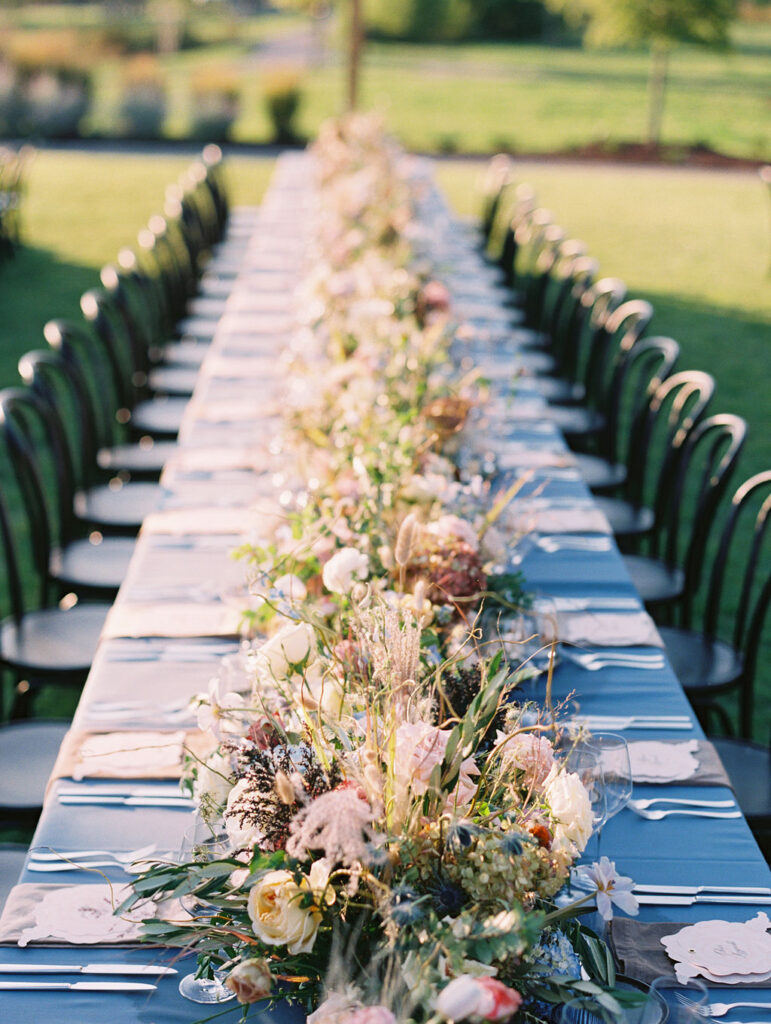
654,761
723,951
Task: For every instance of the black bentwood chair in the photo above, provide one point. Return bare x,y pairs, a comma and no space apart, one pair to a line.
657,435
696,485
36,443
706,665
41,642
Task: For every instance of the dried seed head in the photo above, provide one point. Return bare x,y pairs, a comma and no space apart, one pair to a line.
284,788
405,538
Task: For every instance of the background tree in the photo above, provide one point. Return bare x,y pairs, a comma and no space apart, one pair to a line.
353,14
660,24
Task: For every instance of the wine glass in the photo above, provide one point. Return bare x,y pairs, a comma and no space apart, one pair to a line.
646,1009
617,770
585,760
203,844
683,1004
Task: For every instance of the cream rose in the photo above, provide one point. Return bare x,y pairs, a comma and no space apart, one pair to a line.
250,980
571,810
343,569
277,916
289,646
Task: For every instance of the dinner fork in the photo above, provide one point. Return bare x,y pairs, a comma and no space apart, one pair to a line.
595,663
643,805
78,855
658,815
717,1009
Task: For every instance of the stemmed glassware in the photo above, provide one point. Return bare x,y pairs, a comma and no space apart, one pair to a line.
584,759
617,774
202,844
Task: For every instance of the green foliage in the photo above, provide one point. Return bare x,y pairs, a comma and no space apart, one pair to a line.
420,20
668,22
283,93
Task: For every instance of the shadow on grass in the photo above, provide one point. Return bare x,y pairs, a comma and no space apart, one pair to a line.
36,286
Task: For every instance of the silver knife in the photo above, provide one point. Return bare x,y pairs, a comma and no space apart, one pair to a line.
129,801
697,890
86,969
76,986
666,900
170,791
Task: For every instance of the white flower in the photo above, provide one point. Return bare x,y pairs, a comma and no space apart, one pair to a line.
291,587
454,526
335,1009
571,809
611,888
277,917
344,568
290,646
221,714
212,785
242,832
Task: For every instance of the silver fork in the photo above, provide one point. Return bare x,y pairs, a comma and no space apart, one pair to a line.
717,1009
658,815
120,858
643,805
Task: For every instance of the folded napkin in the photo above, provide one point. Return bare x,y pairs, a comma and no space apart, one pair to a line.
636,946
234,410
128,755
216,458
661,761
77,915
608,629
557,520
172,619
211,519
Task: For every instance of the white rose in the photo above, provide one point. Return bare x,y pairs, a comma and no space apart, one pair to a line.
322,690
343,569
453,526
240,833
278,918
289,646
571,809
291,587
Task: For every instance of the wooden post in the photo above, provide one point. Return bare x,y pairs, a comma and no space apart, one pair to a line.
354,53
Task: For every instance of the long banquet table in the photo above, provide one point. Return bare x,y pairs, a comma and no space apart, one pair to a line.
172,621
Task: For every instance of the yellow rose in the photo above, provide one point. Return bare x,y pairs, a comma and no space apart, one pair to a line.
277,916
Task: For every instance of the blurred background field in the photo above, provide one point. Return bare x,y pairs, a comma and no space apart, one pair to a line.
541,91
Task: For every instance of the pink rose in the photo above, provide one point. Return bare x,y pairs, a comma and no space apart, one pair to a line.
477,998
250,980
503,1001
372,1015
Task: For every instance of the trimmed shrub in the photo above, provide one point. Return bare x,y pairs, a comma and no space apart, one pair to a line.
282,91
143,104
216,102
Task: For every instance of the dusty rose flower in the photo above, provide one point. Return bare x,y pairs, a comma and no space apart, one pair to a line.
478,999
371,1015
532,754
250,980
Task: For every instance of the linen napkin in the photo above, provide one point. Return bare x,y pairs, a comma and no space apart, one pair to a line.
608,629
216,458
171,619
128,755
40,914
636,946
580,519
701,765
211,519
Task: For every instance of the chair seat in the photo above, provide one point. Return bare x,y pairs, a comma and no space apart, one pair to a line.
173,380
12,858
626,520
749,768
575,422
52,641
146,458
121,507
101,566
598,473
28,751
699,662
160,417
655,581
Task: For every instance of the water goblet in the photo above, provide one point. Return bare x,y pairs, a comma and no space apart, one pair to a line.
202,845
617,772
682,1004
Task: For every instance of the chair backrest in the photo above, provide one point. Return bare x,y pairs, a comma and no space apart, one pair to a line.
108,324
211,157
38,456
88,360
554,269
563,308
702,475
658,432
637,375
524,206
498,179
618,332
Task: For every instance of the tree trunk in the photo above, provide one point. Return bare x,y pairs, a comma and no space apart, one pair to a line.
354,53
657,88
